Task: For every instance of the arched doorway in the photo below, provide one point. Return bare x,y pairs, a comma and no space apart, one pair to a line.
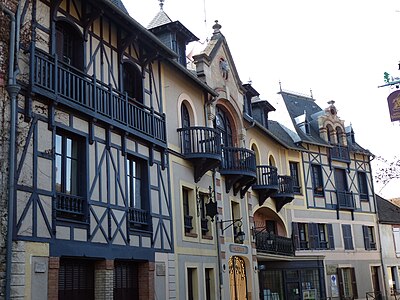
237,278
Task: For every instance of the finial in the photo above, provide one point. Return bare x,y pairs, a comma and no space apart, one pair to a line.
331,102
280,85
161,4
312,97
250,81
216,27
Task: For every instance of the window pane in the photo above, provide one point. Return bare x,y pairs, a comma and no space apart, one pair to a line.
68,178
58,173
69,147
58,144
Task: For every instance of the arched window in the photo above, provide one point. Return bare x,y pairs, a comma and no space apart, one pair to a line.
132,81
271,161
339,135
255,150
329,131
223,124
185,121
69,44
185,118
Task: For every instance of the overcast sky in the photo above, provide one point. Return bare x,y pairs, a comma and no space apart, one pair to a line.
339,49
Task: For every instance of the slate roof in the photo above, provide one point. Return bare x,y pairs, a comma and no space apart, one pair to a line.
297,105
120,5
283,134
160,19
388,212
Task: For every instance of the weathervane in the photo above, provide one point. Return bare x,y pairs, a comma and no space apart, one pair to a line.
161,4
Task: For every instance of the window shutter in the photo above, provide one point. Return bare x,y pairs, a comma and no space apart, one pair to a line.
353,283
330,236
295,235
313,235
340,281
347,237
367,243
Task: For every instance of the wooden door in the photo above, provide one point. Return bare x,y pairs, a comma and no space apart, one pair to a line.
237,276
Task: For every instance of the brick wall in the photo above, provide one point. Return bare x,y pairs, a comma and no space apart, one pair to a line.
54,266
104,280
146,281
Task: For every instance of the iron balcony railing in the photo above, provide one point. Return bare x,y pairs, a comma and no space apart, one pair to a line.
341,153
70,206
63,83
138,217
238,161
188,225
204,226
267,242
267,177
345,200
200,141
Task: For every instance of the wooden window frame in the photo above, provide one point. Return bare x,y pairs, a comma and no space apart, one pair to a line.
363,186
369,237
317,180
76,196
139,204
294,173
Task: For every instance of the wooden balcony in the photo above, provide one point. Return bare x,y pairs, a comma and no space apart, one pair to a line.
139,219
273,244
285,193
340,153
266,183
239,168
60,82
202,146
70,207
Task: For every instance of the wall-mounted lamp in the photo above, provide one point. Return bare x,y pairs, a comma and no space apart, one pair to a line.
239,235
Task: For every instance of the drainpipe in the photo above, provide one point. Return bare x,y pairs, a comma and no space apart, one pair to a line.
13,89
220,279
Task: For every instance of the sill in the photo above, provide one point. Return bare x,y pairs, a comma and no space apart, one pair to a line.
365,199
192,235
71,220
207,237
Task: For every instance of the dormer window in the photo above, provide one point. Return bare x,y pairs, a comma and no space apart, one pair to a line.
69,44
132,82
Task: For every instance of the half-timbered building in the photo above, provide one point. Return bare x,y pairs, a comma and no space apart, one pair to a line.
126,174
91,202
333,217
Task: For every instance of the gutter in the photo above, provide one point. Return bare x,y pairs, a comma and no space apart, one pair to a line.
13,89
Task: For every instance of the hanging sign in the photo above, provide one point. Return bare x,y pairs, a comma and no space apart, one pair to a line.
394,105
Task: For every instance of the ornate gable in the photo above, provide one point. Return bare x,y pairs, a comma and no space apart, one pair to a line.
331,127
